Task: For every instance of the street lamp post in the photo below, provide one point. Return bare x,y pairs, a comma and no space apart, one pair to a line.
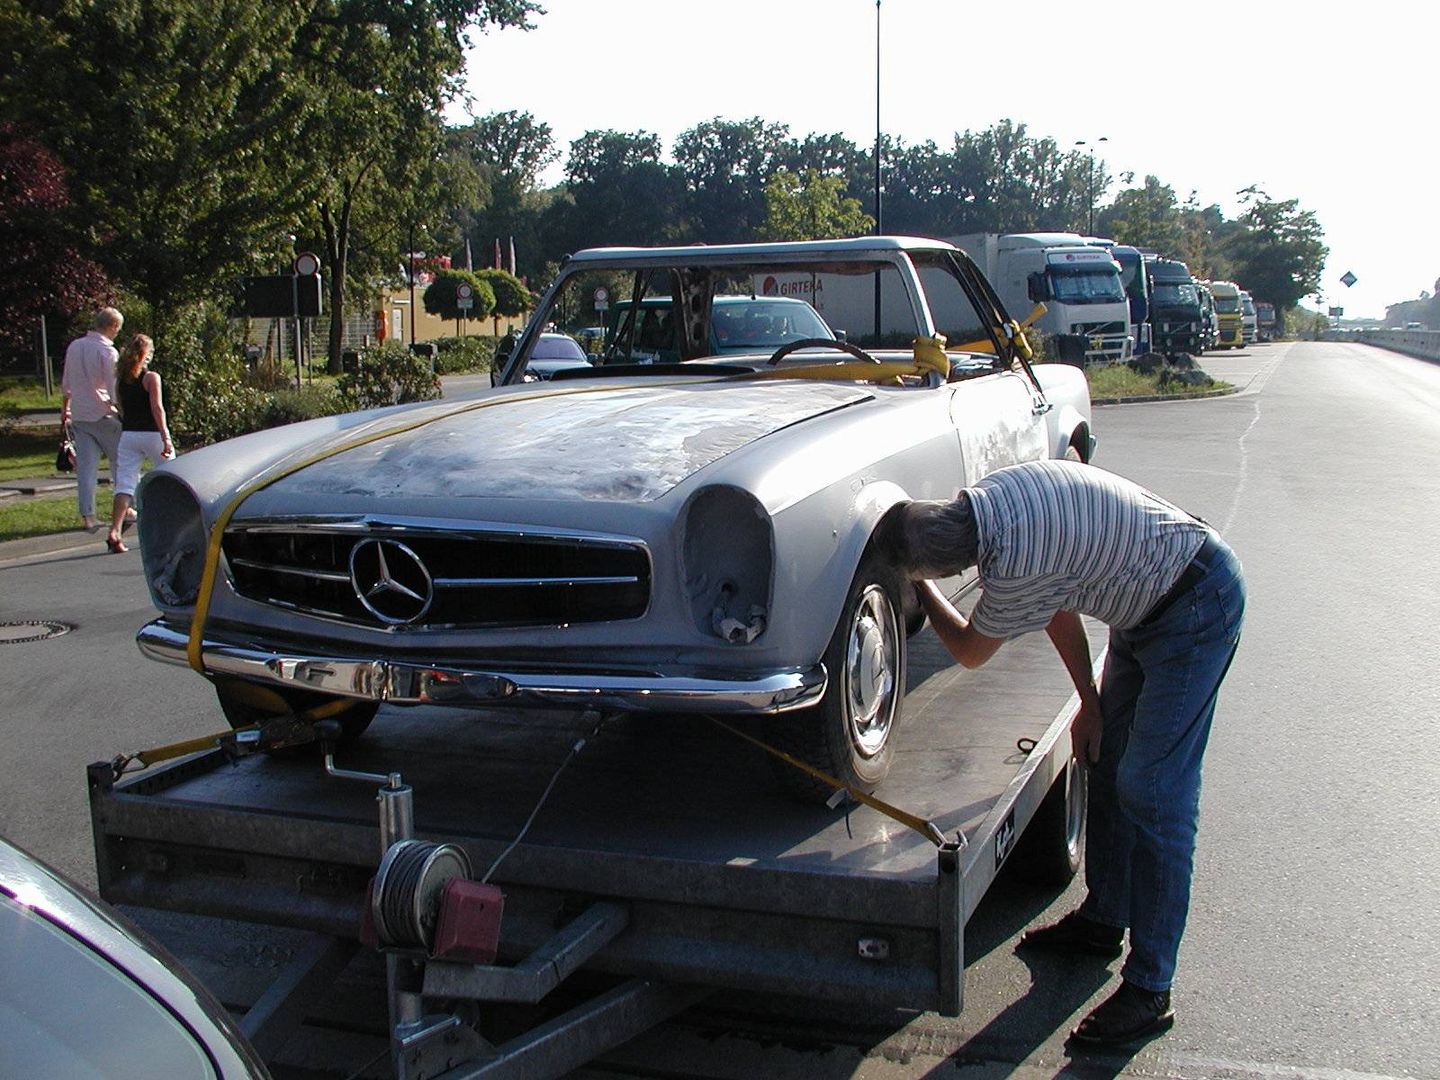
879,205
412,282
1090,181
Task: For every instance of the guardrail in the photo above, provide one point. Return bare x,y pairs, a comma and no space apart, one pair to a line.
1424,344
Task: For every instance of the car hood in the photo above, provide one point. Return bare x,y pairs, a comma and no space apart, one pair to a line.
622,443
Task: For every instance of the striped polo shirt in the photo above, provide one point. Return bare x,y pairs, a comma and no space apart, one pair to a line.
1059,535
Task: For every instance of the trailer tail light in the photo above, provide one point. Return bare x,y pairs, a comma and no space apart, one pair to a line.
468,931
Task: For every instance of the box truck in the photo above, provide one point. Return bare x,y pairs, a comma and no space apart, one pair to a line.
1087,310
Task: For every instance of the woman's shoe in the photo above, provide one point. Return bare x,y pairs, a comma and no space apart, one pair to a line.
116,545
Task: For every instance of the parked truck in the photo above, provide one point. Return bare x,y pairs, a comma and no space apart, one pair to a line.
1177,318
1265,320
1087,310
1249,321
1229,312
1137,289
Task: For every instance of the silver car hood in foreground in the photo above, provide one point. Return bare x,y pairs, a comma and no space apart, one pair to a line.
616,443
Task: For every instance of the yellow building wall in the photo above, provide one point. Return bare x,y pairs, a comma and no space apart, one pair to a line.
396,304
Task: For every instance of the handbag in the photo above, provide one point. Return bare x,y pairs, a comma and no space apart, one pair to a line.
65,456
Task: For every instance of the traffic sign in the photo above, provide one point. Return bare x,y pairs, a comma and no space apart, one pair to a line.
463,291
1347,279
307,263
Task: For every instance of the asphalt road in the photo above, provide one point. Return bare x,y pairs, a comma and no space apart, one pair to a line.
1313,948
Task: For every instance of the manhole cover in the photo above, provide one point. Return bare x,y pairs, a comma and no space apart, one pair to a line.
15,633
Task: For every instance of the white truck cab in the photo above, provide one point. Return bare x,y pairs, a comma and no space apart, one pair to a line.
1087,310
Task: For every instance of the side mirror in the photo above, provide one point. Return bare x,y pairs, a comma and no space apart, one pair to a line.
1036,287
592,358
842,335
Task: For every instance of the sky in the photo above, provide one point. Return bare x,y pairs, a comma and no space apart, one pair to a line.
1329,103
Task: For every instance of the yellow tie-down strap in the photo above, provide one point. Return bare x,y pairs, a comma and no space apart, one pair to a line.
924,827
1017,335
926,352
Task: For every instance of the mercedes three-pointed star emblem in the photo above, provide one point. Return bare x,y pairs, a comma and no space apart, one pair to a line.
391,581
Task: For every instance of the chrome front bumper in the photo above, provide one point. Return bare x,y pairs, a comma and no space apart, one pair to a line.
421,684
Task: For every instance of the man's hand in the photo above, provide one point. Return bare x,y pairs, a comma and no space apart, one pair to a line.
1085,732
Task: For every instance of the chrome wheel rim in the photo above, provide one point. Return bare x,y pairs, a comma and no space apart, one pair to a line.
872,660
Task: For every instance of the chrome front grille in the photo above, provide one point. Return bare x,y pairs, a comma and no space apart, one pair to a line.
400,576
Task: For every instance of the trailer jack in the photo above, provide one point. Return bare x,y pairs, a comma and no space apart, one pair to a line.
439,931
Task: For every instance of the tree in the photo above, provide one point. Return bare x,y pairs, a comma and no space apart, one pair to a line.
41,272
507,152
1147,217
725,164
812,207
1281,251
378,73
174,120
442,299
617,192
512,298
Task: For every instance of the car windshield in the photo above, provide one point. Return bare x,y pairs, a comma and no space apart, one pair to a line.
553,347
1249,308
658,315
1176,294
1227,305
1086,286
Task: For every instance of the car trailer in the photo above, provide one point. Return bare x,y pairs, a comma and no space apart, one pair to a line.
660,852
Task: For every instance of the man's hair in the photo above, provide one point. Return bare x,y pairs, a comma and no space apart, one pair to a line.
108,318
934,539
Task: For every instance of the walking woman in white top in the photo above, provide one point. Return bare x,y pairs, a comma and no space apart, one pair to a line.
146,436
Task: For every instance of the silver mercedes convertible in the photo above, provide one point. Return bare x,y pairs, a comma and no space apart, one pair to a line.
667,528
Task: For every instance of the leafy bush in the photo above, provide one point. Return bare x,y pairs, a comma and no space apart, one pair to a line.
290,406
388,374
459,354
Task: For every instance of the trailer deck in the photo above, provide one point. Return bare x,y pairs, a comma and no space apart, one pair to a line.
670,835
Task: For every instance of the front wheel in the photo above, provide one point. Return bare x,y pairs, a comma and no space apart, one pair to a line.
850,734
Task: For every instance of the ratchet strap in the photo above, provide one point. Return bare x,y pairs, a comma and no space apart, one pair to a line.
928,829
283,728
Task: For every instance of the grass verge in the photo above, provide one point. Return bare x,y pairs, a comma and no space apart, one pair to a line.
28,452
1120,381
47,516
25,393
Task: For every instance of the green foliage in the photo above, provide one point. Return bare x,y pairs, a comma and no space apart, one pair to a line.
812,207
1281,252
458,355
512,298
388,374
45,517
442,299
175,121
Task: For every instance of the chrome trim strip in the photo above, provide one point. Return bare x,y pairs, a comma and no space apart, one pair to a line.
419,684
296,571
504,582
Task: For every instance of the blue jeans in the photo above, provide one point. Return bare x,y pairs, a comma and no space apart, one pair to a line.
1157,697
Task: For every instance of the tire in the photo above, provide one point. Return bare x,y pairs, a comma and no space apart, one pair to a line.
246,704
1051,850
851,733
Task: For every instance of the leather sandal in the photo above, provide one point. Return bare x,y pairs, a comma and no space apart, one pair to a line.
116,545
1126,1015
1076,935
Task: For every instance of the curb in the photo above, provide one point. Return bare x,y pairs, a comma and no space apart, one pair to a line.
1201,396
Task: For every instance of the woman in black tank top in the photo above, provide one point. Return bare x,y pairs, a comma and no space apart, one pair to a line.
146,436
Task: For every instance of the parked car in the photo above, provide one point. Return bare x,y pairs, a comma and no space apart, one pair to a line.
552,353
692,536
738,324
88,994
